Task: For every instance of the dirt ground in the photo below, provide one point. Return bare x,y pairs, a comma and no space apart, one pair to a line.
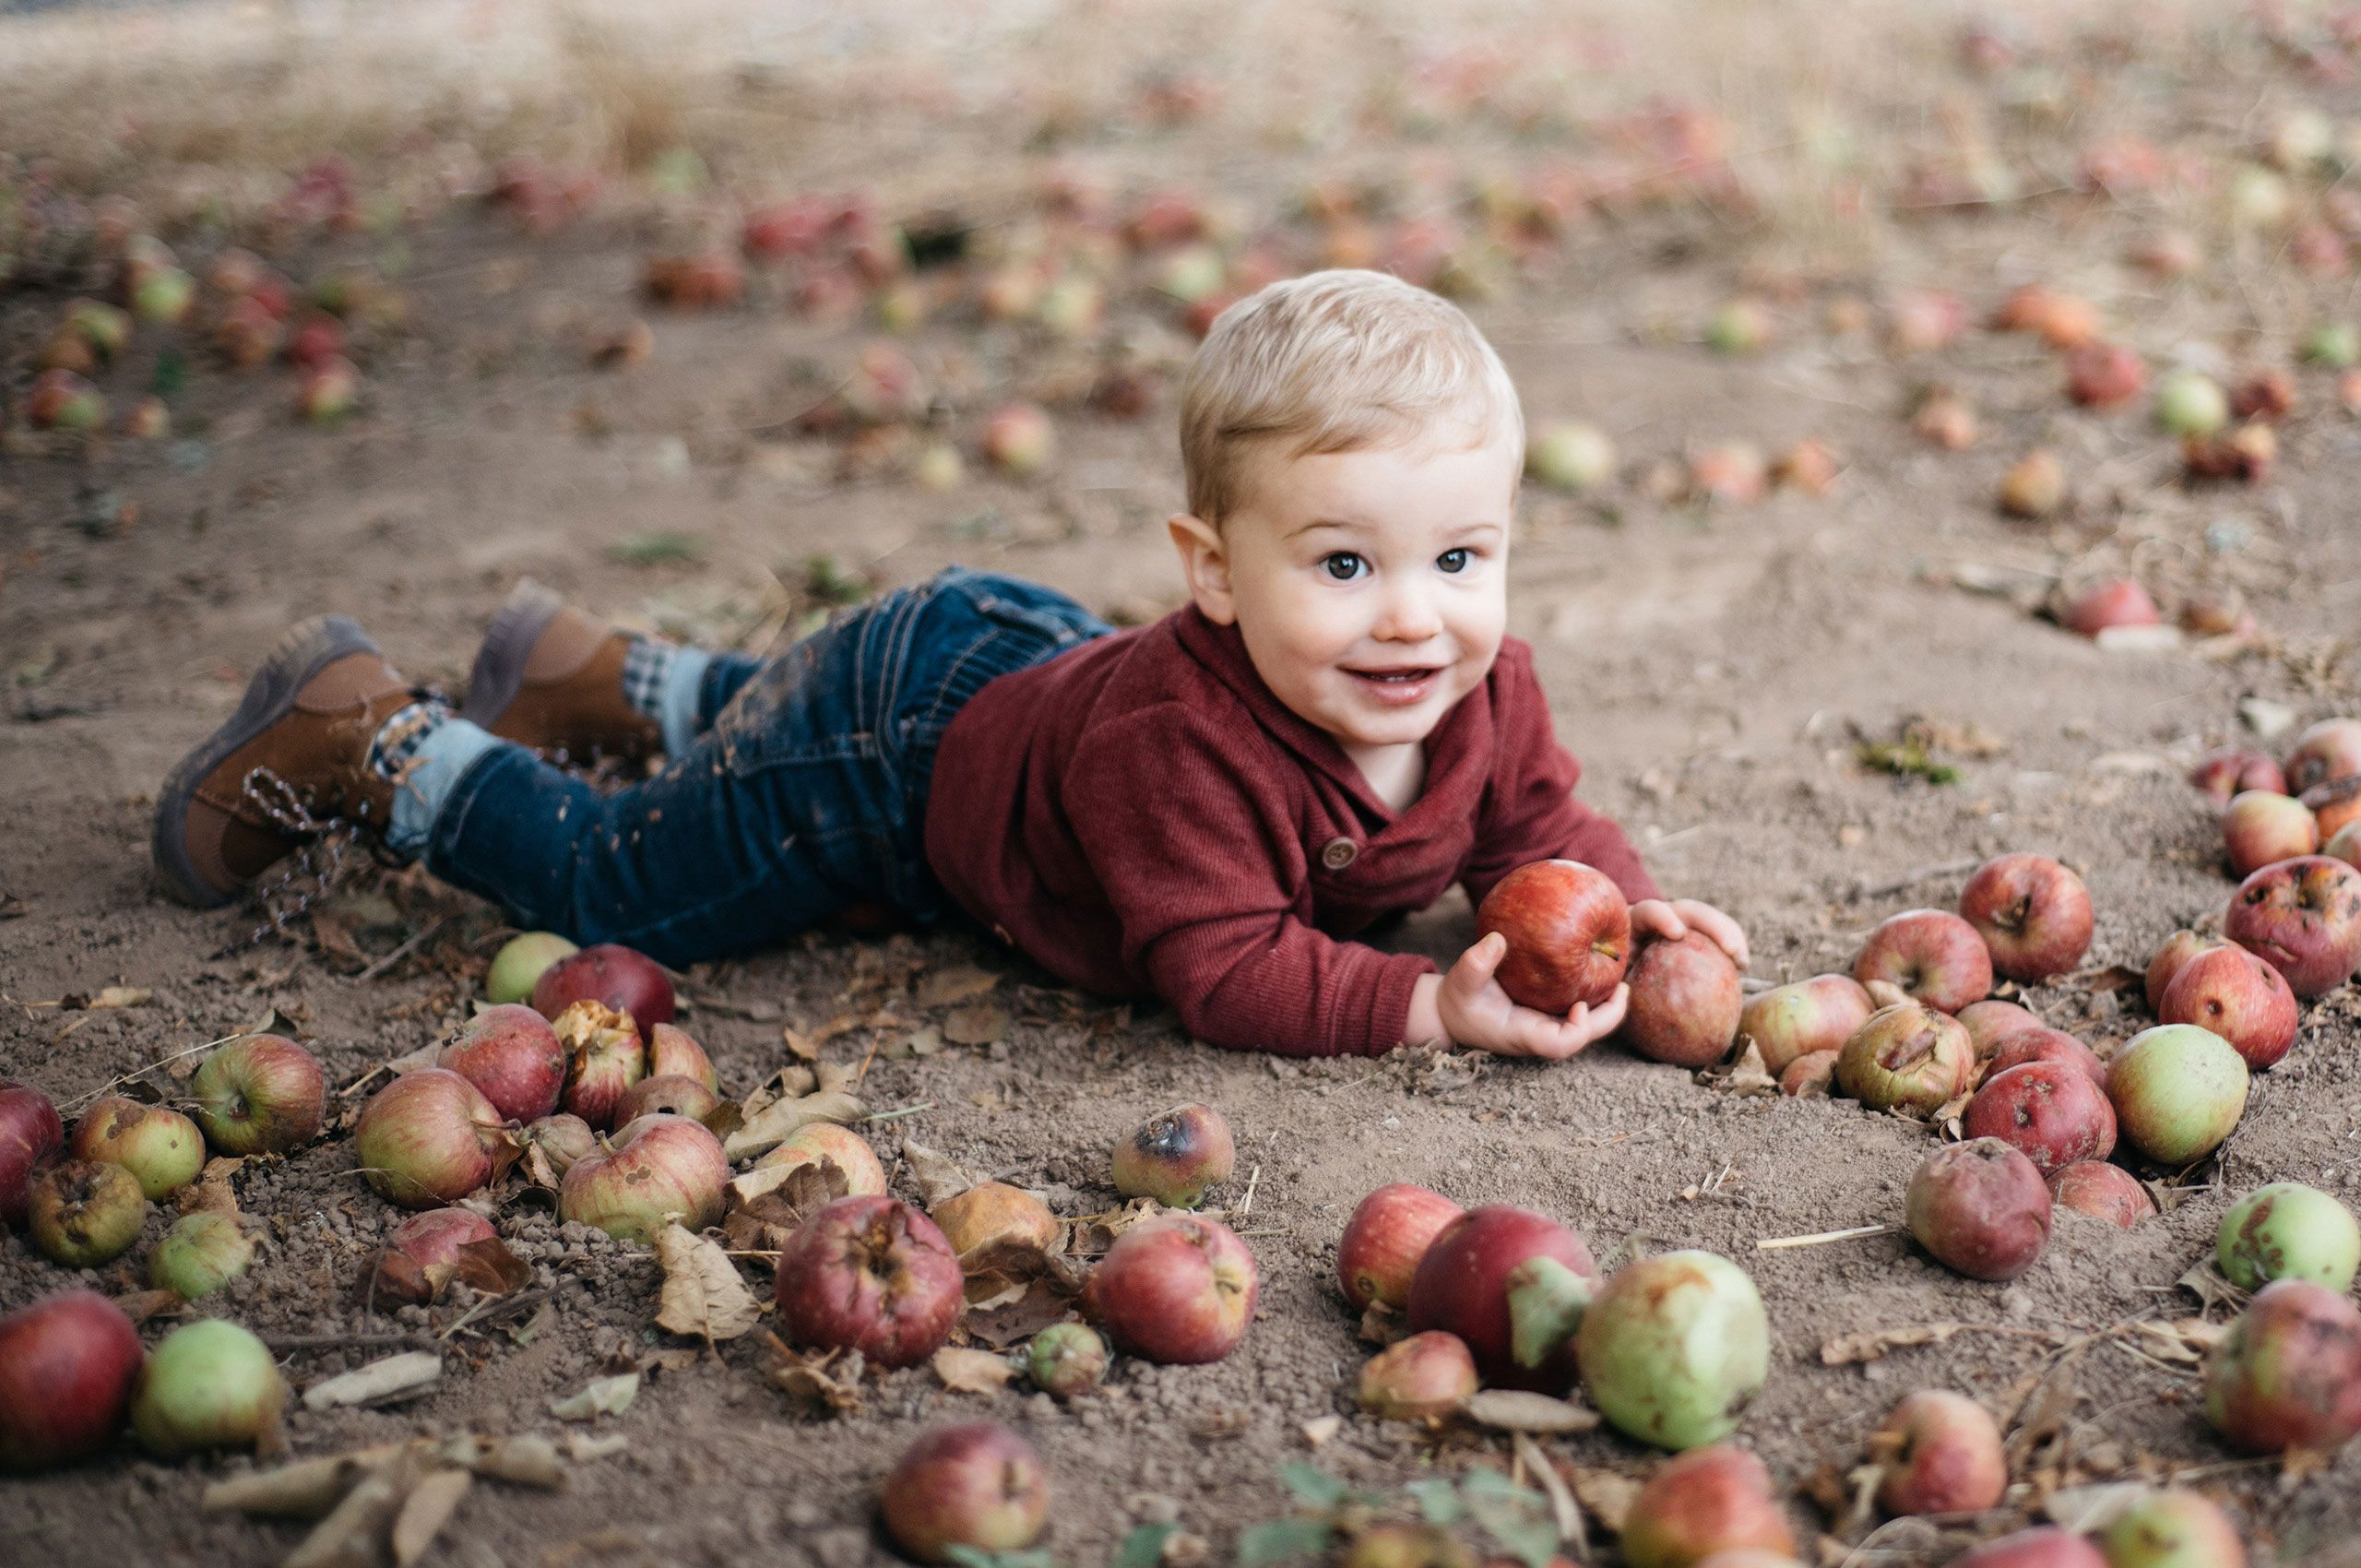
1713,666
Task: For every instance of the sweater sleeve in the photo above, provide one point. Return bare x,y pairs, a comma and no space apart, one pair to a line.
1203,868
1529,812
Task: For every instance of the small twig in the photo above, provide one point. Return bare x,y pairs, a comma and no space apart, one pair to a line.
1855,1234
906,1111
1246,1203
355,1087
492,1309
1924,873
404,951
77,1103
284,1343
875,1041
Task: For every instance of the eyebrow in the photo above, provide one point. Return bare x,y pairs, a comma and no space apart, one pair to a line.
1345,526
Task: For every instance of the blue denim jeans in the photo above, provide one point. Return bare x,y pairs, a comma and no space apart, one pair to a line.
805,794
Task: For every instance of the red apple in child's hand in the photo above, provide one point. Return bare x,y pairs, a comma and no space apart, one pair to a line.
1980,1208
2032,913
29,1133
2052,1113
2303,917
2259,828
511,1054
1934,955
1713,1499
2239,997
977,1485
1569,932
2221,774
873,1275
1388,1234
611,975
1685,1002
2044,1547
2040,1043
1940,1452
1906,1057
2178,949
1789,1022
1176,1290
1512,1284
2103,1192
68,1363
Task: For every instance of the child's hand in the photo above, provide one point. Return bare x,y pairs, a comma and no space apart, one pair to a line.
1672,921
1473,1011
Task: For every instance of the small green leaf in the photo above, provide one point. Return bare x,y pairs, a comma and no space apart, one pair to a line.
1276,1540
1438,1501
1312,1485
968,1557
1517,1518
656,550
1143,1548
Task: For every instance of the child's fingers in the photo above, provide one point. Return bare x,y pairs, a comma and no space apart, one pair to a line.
1659,919
1605,1021
1476,966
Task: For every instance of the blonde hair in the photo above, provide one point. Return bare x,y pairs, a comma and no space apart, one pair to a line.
1332,361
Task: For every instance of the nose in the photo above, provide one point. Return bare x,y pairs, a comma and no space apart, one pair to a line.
1407,615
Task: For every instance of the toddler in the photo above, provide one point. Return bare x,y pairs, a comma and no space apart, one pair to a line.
1335,728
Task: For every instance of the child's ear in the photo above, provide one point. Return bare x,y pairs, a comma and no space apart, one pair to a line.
1206,565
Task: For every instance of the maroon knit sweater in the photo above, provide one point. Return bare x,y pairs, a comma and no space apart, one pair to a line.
1142,816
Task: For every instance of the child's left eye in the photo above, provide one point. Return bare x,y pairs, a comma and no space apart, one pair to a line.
1455,560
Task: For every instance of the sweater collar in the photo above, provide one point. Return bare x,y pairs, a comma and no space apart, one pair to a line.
1222,650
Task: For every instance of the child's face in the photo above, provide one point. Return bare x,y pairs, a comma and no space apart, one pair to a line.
1371,587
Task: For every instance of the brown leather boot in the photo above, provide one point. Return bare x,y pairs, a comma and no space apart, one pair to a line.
293,758
550,677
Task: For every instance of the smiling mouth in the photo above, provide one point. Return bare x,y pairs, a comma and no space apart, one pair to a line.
1397,677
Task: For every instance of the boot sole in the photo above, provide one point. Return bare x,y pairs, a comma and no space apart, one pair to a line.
498,673
302,652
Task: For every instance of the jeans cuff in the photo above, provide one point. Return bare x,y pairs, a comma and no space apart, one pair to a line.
676,710
434,770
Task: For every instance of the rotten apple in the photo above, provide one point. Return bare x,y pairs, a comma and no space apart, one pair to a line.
2103,1192
2178,1091
1177,1289
1906,1057
81,1214
873,1275
512,1055
67,1366
2237,996
1425,1377
1388,1233
158,1146
1708,1499
825,1143
1939,1453
2288,1231
1805,1017
673,1095
2288,1373
1066,1360
1512,1284
2052,1113
2032,913
1175,1156
1932,954
2326,751
1675,1347
1980,1207
1569,934
604,1057
996,1214
660,1170
200,1253
1685,1002
2303,917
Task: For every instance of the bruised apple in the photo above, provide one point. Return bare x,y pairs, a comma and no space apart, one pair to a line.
1569,934
2288,1373
2303,917
512,1055
661,1169
429,1138
1814,1074
1906,1057
2032,913
1175,1156
1388,1233
675,1094
2178,949
611,975
1935,957
1941,1454
1512,1284
2103,1192
1423,1378
2239,997
1981,1208
2288,1231
1708,1499
2052,1113
1177,1289
1800,1019
2043,1044
1685,1002
872,1275
82,1214
67,1365
604,1057
1675,1347
158,1146
420,1255
993,1213
673,1054
2324,752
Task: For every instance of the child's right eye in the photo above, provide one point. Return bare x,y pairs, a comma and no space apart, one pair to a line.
1342,565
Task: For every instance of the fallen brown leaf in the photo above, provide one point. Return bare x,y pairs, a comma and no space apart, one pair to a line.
490,1267
972,1371
938,1177
1607,1495
961,982
1870,1345
1747,1075
703,1295
976,1022
1041,1305
424,1514
1511,1409
824,1380
211,1191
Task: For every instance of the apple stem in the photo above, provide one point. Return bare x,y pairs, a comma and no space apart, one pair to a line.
1854,1234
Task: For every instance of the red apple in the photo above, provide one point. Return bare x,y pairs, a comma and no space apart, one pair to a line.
2178,949
2303,917
2345,845
1019,439
2103,1192
1789,1022
158,1146
977,1486
2100,375
2329,750
673,1053
2335,805
30,1133
612,976
1388,1233
510,1053
1175,1156
2259,828
2032,913
660,1168
428,1138
2178,1091
1934,955
2171,1529
422,1253
873,1275
82,1214
1569,934
673,1095
1426,1377
260,1094
1940,1452
2044,1547
1176,1290
2052,1113
1980,1208
2239,997
1906,1057
1988,1022
2040,1044
68,1365
604,1057
2114,601
825,1143
2288,1373
1685,1002
1708,1499
1813,1074
2232,769
1512,1284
